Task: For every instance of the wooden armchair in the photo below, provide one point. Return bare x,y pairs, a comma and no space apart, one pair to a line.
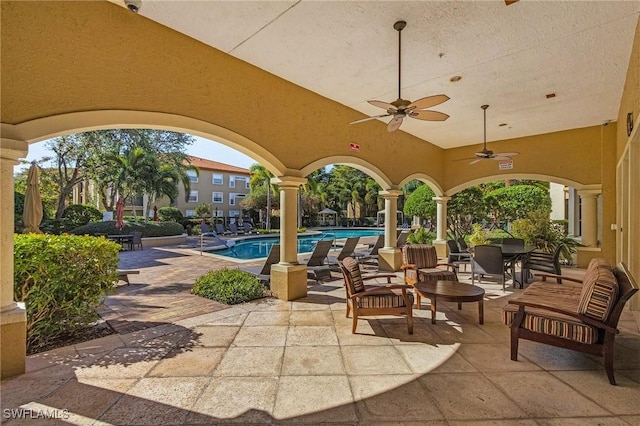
391,299
583,319
420,263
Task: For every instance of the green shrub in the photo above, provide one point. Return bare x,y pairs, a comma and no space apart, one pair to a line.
169,214
229,286
78,214
479,237
148,229
62,279
421,236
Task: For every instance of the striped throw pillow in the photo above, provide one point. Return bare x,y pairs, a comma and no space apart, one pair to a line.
599,292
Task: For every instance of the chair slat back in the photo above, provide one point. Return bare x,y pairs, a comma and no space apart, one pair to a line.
274,257
349,246
352,276
487,260
320,253
421,255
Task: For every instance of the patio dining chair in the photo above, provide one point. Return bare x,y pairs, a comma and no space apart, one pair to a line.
136,240
389,299
487,260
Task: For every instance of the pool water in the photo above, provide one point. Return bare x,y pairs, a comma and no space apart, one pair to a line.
255,248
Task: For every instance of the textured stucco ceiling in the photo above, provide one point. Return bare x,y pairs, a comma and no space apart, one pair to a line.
509,57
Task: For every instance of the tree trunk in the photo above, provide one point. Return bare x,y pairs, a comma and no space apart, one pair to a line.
268,215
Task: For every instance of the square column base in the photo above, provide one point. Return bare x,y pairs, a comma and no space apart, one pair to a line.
441,248
389,259
13,347
288,282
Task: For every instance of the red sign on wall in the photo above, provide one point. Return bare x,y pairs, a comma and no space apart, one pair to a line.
354,147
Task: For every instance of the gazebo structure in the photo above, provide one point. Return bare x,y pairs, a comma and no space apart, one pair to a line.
328,212
562,79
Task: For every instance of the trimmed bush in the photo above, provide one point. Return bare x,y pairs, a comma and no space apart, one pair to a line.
229,286
62,279
148,229
79,214
170,214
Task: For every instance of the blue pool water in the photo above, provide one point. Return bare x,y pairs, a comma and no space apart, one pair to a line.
255,248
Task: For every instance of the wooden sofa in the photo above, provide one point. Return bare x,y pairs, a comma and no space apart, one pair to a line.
581,318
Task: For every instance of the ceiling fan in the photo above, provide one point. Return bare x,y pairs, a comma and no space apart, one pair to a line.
487,154
401,108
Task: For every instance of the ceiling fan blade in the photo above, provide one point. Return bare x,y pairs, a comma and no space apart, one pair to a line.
395,123
506,154
428,115
369,118
383,105
428,102
500,158
475,161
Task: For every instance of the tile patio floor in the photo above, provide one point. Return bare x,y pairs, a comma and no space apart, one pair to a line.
192,361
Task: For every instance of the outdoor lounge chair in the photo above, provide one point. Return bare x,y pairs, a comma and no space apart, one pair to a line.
390,299
402,239
234,229
348,248
263,273
372,254
204,230
249,229
220,229
316,266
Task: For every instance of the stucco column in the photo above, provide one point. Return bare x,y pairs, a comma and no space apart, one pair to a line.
589,216
390,257
440,242
13,318
288,278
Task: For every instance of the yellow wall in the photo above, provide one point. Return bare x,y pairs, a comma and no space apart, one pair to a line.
60,58
630,101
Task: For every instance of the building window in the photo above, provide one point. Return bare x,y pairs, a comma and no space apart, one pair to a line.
233,179
193,197
217,179
193,176
236,199
190,213
219,213
234,213
217,197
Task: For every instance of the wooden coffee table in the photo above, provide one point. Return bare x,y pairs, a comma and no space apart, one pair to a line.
452,291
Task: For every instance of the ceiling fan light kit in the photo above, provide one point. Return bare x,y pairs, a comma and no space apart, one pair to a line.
401,108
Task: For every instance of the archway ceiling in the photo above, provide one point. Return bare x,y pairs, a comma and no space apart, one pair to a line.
508,56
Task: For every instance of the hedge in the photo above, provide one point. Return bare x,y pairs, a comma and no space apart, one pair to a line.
229,286
148,229
62,279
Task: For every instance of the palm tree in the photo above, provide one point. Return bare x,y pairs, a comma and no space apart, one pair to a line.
261,177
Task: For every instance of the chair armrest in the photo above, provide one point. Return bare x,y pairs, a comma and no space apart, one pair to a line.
381,289
448,265
408,266
554,276
387,276
522,303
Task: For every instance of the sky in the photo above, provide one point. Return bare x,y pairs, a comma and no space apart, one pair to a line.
203,148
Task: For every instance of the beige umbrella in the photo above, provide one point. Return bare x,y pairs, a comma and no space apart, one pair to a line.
32,213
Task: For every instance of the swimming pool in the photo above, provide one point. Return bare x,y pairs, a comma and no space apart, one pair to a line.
255,248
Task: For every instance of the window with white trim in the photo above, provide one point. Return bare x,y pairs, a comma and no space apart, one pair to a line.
235,198
190,213
193,176
234,213
219,213
217,197
217,179
193,197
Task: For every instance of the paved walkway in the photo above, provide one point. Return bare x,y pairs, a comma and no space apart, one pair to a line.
275,362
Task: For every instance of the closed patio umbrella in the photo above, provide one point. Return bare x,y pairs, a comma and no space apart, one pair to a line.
120,213
155,214
32,213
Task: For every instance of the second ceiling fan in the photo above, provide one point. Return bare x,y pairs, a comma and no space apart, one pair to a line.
401,108
487,154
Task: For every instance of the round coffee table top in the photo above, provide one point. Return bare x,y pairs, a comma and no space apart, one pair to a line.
452,290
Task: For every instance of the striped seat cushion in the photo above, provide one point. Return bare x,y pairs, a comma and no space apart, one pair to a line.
393,299
599,291
435,274
542,321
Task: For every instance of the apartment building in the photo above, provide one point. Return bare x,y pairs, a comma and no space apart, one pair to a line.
221,186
